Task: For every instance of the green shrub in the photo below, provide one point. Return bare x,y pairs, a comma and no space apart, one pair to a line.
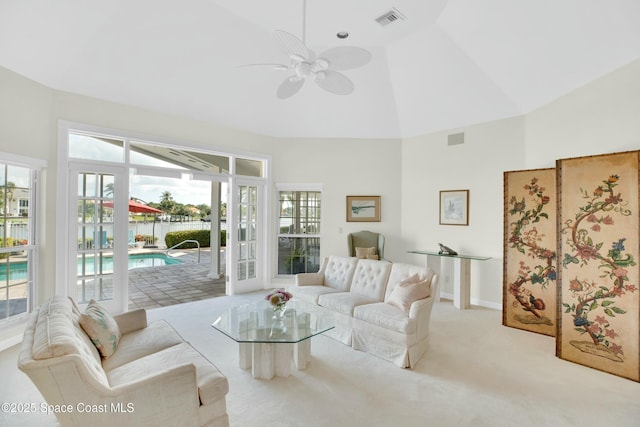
174,237
10,242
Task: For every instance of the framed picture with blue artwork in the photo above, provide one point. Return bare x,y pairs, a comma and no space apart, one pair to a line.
363,208
454,207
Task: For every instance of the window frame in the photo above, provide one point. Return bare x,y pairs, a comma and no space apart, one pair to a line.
297,187
35,166
65,128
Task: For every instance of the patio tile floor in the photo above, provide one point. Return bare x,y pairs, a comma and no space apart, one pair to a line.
152,287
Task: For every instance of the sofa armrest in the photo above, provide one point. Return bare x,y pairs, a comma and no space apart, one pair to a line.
168,397
421,311
418,306
131,320
309,279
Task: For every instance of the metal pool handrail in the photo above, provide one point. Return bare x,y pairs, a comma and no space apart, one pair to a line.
183,242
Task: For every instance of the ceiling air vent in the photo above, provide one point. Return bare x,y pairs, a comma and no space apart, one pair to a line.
390,17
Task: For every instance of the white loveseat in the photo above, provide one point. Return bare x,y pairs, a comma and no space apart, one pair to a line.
359,293
154,378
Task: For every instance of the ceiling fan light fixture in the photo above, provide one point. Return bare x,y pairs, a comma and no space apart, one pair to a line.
303,69
322,63
320,75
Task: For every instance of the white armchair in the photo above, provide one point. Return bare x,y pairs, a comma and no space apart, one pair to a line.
154,378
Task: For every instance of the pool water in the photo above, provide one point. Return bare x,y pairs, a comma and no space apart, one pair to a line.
18,270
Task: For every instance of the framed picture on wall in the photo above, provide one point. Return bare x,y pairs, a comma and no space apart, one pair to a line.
454,207
363,208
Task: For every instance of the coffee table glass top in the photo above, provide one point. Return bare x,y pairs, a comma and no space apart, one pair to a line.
257,323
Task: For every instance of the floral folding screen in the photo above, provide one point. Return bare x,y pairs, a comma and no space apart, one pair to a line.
529,275
598,252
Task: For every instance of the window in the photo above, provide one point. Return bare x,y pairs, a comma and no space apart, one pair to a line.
299,231
18,178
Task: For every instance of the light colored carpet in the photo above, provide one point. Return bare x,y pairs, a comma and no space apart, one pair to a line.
476,373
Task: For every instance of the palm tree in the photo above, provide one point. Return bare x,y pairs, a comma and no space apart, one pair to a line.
167,204
108,189
7,190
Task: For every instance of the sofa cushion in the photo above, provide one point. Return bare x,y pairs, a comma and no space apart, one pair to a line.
212,385
370,279
407,292
386,316
101,328
54,333
58,333
310,294
343,302
156,337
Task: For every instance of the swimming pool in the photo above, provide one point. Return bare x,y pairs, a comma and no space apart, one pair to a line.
18,270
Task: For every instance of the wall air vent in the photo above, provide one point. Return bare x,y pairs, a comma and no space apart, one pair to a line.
455,139
390,17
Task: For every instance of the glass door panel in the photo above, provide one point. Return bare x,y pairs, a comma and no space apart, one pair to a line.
247,236
246,260
95,236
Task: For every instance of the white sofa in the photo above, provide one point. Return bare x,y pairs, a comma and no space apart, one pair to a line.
154,378
358,292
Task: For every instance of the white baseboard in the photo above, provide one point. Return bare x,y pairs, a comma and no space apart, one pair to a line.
10,342
475,301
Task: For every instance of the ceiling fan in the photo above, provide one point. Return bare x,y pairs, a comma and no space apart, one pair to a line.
324,69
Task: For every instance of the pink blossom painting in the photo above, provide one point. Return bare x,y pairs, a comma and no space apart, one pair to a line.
598,245
529,273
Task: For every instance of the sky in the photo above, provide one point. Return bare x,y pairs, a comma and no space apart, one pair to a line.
149,189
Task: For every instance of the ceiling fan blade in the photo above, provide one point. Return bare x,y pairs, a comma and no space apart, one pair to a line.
346,57
274,66
335,82
291,45
289,87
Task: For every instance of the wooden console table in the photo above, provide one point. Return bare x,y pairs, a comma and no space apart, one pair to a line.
461,274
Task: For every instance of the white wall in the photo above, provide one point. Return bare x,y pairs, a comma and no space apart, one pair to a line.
430,165
346,167
25,129
342,166
26,126
601,117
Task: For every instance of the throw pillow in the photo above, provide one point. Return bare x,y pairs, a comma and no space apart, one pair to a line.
101,328
411,279
376,257
405,294
362,253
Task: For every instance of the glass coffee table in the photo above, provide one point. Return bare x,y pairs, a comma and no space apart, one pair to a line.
266,343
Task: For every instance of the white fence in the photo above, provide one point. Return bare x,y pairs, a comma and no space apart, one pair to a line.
159,229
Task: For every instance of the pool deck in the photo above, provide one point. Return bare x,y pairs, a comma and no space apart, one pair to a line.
152,287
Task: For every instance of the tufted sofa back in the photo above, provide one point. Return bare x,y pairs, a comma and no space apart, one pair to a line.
338,272
370,278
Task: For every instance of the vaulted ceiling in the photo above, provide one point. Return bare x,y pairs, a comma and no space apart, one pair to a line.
442,65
